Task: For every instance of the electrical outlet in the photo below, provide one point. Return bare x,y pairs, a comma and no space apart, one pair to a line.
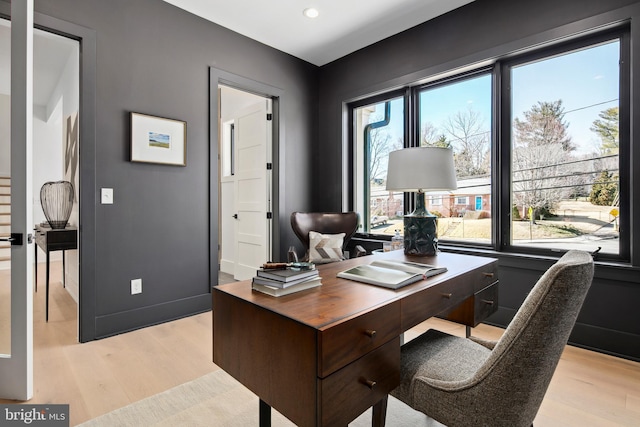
136,286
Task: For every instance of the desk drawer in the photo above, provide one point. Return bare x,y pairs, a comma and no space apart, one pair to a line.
347,393
341,344
476,309
55,240
437,298
485,303
487,276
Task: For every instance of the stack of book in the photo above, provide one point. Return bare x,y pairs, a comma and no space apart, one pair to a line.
285,281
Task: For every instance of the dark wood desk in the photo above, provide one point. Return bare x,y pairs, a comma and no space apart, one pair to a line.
50,240
323,356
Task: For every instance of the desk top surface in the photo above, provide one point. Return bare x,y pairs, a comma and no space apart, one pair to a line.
339,299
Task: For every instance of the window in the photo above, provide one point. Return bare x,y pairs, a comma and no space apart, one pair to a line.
464,201
227,149
555,161
378,130
456,113
565,148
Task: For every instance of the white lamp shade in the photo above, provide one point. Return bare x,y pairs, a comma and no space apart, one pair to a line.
421,168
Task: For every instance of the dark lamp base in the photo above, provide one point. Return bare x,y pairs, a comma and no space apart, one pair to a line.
420,235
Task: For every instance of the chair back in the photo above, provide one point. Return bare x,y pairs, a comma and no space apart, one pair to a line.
519,369
324,222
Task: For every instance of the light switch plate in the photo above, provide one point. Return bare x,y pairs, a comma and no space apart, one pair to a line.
107,196
136,286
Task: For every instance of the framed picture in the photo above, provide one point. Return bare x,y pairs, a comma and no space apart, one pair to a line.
158,140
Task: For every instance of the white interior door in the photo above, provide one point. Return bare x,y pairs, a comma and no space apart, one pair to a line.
16,367
252,189
227,199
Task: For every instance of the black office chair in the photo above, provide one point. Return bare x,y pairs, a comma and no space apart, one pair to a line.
325,235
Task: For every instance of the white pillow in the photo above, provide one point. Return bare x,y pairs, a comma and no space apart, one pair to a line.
324,248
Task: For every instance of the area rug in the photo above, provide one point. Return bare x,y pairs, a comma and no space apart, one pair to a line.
217,399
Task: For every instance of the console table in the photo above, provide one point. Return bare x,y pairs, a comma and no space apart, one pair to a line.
323,356
50,240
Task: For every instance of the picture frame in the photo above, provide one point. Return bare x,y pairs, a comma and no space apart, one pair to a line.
158,140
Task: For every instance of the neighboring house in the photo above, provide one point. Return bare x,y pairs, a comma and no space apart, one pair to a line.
471,199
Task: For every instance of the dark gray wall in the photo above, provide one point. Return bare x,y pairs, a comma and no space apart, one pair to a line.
482,31
153,58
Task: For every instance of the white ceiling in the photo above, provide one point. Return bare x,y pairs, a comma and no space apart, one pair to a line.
50,55
342,27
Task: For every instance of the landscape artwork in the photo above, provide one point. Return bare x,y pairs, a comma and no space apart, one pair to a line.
159,140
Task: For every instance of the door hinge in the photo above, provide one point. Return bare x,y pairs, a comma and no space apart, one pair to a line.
269,215
269,116
269,166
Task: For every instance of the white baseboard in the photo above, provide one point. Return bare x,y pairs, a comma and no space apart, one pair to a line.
72,287
227,266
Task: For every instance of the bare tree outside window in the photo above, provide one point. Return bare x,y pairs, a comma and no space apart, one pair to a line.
468,135
381,144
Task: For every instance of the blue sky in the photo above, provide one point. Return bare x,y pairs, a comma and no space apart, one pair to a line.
586,81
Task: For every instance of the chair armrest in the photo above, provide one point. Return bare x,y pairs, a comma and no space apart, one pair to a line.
490,344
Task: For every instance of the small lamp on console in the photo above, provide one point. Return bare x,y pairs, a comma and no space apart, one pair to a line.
420,169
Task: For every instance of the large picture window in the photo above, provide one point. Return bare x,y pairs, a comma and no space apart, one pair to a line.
549,173
565,148
456,114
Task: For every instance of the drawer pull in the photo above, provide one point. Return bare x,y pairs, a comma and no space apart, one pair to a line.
486,301
370,333
371,384
487,274
447,296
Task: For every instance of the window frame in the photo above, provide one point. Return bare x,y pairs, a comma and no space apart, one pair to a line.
622,34
352,160
500,197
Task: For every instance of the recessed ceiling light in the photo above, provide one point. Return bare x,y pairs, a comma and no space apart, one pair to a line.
310,12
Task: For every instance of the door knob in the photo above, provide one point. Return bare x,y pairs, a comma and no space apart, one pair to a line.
235,216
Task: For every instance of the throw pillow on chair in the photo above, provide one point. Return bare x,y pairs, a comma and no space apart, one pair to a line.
325,248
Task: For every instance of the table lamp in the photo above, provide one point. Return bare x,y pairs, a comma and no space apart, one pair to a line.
418,169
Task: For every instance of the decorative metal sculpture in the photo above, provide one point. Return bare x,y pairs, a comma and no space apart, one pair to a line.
56,199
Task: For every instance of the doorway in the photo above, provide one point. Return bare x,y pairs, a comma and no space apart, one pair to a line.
54,156
246,184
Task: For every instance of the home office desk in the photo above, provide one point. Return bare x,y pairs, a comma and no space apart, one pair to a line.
323,356
50,240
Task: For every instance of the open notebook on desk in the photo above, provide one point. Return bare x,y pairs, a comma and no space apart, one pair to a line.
391,274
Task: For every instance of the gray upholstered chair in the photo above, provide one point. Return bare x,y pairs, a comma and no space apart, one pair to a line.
459,382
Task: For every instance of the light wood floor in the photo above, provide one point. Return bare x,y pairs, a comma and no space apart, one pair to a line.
588,389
